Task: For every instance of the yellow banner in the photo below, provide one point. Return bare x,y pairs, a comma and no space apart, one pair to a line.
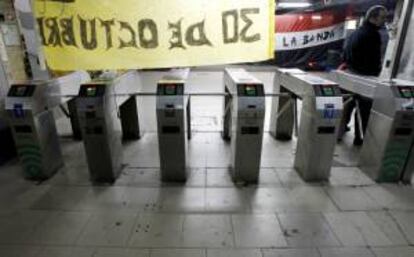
130,34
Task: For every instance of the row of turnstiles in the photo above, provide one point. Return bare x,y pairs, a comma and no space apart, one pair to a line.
104,111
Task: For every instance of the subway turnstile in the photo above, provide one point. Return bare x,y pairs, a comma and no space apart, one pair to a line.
29,107
385,154
244,111
100,107
320,116
173,121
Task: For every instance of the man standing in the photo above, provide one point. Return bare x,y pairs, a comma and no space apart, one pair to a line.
363,56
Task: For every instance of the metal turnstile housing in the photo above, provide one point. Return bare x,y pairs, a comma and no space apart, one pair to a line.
34,130
99,106
244,123
386,154
173,119
29,108
320,117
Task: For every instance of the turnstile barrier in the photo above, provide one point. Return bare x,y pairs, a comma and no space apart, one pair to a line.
244,111
173,124
101,105
386,154
320,117
29,107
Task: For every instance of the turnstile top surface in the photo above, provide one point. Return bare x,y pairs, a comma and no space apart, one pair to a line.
47,93
307,85
241,76
30,95
361,85
291,70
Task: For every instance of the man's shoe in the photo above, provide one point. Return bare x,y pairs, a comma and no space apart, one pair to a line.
358,142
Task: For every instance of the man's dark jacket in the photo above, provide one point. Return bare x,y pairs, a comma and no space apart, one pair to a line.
363,50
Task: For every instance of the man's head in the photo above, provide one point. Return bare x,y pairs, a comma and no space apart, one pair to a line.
377,15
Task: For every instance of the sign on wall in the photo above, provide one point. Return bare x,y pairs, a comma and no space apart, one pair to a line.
128,34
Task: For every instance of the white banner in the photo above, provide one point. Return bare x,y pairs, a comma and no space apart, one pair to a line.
309,38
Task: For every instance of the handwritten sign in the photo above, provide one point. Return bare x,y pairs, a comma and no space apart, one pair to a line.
310,38
128,34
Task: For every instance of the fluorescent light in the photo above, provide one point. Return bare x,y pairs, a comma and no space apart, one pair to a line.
294,5
316,17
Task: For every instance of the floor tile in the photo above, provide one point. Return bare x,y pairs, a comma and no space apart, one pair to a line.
107,229
64,198
390,226
309,252
19,251
17,227
307,230
352,199
289,177
139,177
268,177
257,231
394,252
178,253
158,230
119,252
219,178
60,228
234,253
66,252
346,252
405,222
143,199
227,200
349,176
359,229
216,231
97,198
392,197
182,199
309,199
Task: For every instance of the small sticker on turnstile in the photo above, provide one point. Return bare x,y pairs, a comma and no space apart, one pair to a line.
18,111
329,111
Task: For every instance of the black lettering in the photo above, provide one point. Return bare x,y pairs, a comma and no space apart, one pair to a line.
233,38
41,30
68,33
151,27
319,37
332,34
133,41
284,42
91,42
196,35
176,40
249,23
108,32
54,36
293,42
305,39
326,35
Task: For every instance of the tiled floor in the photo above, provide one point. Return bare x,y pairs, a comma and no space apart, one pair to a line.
208,216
